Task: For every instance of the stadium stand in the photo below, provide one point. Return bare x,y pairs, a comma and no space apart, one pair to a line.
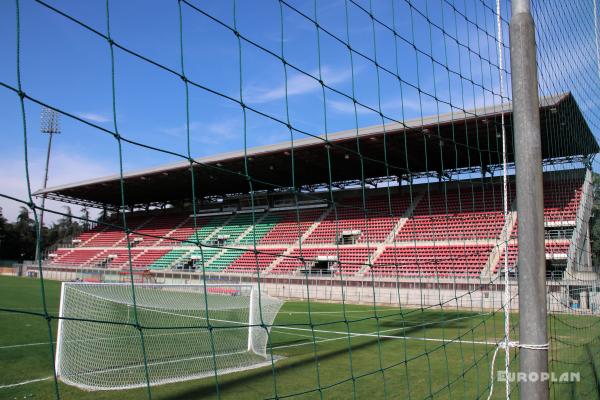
555,250
224,259
238,225
111,236
291,226
155,229
449,229
250,261
428,219
468,260
75,256
371,225
169,259
189,232
344,260
463,213
149,256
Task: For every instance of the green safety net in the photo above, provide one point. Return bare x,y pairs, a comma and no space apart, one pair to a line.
398,267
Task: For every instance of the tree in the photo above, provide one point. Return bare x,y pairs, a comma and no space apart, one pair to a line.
21,242
104,215
6,233
18,240
23,217
85,215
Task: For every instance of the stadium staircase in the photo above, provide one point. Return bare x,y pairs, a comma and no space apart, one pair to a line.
165,240
91,235
170,259
207,236
285,255
500,247
314,226
366,267
254,232
580,243
405,217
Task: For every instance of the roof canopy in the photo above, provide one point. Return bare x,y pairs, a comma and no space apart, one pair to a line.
438,145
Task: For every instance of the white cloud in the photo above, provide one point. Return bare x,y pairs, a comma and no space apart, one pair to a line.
297,84
347,107
64,168
94,117
209,133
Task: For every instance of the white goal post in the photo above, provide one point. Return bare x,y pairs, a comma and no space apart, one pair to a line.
189,332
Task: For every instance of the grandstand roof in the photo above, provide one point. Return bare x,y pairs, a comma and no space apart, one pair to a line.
466,140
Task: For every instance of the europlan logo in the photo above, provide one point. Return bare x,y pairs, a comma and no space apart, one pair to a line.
538,377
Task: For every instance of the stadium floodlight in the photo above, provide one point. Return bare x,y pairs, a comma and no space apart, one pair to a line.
50,124
99,345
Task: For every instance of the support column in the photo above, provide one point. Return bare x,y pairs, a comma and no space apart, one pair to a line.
530,200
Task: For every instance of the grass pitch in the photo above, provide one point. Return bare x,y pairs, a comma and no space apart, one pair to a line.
402,354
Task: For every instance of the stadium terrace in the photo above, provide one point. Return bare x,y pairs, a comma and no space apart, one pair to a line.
428,221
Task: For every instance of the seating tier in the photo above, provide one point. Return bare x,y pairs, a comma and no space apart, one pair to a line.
467,260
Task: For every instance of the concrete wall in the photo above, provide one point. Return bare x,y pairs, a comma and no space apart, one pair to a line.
448,293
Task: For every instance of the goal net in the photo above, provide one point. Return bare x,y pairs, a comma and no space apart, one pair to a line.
190,331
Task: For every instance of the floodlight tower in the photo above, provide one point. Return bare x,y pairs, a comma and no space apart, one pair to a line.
50,124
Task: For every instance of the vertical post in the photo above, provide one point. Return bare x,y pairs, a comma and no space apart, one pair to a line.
251,318
59,334
41,227
530,203
50,125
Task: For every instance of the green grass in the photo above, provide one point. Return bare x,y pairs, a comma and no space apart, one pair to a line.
400,368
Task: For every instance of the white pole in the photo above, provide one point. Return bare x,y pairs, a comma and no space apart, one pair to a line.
59,338
251,319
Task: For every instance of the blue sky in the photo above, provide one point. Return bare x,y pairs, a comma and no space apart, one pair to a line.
67,66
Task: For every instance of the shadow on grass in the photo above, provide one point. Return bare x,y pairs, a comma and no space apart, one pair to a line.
297,362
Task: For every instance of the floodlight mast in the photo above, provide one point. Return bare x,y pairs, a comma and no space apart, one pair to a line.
50,124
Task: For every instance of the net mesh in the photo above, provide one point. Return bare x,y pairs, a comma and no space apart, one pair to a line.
387,219
183,341
569,63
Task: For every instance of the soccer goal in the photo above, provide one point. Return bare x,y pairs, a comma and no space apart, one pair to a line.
188,332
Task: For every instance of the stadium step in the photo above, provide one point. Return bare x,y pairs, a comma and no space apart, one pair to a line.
172,231
407,214
98,257
224,259
91,238
500,247
374,256
248,230
214,257
178,255
278,260
314,226
220,228
123,240
581,238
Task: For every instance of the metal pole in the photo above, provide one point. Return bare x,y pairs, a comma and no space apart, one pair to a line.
50,125
530,203
46,176
37,249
